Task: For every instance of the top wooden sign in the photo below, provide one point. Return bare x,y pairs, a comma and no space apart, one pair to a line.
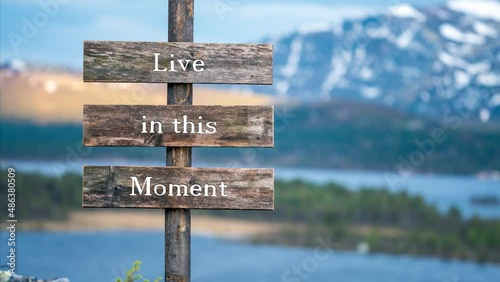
177,62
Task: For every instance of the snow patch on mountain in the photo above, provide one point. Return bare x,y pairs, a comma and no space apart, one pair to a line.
366,73
484,115
478,68
293,60
489,79
338,70
370,92
494,101
462,79
406,38
452,33
315,27
479,8
485,29
407,11
452,61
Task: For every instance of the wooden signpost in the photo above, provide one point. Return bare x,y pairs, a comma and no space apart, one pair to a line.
178,126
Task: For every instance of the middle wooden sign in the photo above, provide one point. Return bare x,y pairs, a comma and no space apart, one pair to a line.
178,126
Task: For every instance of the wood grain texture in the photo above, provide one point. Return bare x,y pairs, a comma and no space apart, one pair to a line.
111,187
120,61
121,125
178,221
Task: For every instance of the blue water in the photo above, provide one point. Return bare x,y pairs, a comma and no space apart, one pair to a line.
441,190
102,256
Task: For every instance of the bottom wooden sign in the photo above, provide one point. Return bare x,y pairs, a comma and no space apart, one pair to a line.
176,187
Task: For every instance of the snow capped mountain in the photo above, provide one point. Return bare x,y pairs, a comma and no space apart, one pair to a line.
432,61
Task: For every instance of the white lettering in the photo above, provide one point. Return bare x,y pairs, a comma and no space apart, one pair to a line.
197,65
171,187
135,182
177,190
184,67
162,187
157,55
196,190
222,187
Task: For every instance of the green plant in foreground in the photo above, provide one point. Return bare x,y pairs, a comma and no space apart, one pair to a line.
132,274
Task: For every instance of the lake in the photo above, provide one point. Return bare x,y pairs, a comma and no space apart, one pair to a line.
441,190
102,256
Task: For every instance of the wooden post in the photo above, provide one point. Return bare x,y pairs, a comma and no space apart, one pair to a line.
178,221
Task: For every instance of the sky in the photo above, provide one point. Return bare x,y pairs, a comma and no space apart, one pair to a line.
53,31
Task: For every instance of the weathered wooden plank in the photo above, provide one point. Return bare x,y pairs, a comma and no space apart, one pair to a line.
120,61
131,126
238,189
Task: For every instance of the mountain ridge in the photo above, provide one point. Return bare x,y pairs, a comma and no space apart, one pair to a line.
422,60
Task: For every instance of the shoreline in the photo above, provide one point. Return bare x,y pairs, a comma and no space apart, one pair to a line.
83,221
243,230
